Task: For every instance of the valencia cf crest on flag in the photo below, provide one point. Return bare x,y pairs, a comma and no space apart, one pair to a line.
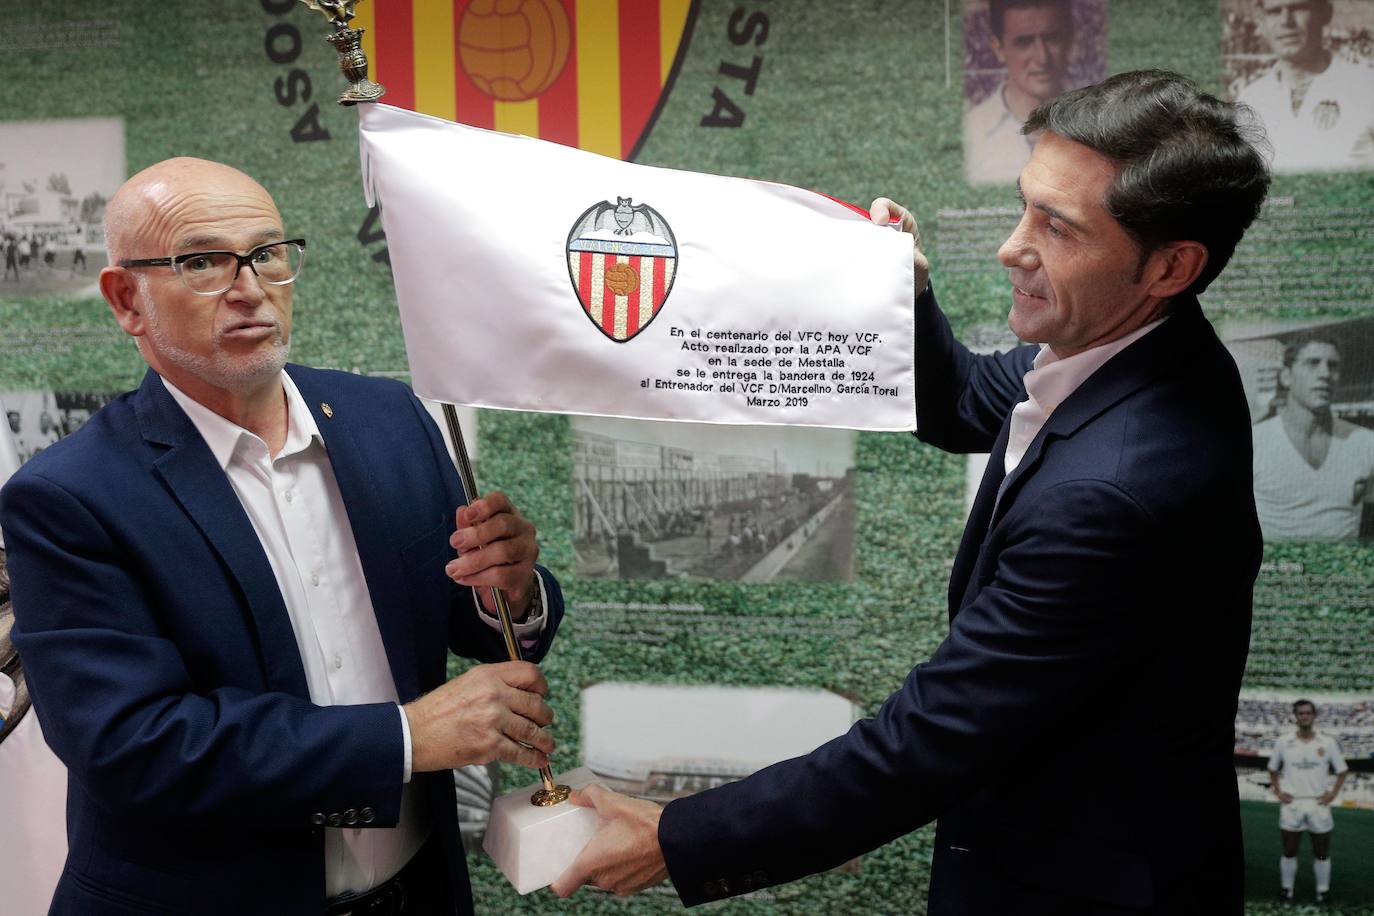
622,257
589,75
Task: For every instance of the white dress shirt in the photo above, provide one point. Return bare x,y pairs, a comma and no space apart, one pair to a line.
1050,381
995,150
298,513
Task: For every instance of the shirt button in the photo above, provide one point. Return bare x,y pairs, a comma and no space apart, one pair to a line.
338,659
314,578
289,495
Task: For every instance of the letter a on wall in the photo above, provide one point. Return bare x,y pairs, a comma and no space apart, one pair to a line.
586,73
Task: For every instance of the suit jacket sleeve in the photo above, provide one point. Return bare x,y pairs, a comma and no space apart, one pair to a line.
136,727
962,398
1061,618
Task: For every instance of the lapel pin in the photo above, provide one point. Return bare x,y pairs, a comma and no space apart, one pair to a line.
328,411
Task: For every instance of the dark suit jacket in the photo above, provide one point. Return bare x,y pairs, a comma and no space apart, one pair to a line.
1074,731
163,666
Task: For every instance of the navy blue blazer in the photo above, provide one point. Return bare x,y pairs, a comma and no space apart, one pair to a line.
1074,731
164,669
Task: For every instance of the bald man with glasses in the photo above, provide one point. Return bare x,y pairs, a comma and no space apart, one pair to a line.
235,590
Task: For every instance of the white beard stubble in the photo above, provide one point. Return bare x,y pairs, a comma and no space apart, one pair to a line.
240,375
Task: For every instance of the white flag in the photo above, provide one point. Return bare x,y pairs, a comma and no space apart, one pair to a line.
534,276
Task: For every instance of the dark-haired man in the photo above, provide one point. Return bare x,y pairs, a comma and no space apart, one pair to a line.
1318,107
1115,515
1300,770
1033,40
235,592
1313,471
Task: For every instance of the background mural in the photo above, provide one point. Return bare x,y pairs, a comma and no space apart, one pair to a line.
661,547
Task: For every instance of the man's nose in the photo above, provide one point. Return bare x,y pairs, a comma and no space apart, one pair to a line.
1016,251
1040,51
247,287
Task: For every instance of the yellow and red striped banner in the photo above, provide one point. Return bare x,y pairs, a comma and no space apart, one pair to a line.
585,73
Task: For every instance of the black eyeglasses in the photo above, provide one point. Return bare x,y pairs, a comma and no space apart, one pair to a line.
209,273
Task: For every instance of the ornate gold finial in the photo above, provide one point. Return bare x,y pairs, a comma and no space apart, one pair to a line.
340,12
348,42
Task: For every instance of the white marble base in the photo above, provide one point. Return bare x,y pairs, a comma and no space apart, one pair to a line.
533,846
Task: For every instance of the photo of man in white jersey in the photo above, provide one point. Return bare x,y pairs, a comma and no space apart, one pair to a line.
1300,770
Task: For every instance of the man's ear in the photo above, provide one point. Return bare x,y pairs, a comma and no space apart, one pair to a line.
1173,266
120,289
996,44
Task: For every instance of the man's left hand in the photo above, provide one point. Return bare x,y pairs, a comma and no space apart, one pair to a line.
623,856
886,212
1327,798
496,549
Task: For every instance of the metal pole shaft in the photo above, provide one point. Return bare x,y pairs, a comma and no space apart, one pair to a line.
469,481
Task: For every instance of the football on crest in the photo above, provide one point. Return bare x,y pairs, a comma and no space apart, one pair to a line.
622,279
513,50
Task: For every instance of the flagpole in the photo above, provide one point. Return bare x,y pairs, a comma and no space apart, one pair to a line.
353,63
552,793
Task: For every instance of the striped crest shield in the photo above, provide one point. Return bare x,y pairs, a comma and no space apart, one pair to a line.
586,73
622,257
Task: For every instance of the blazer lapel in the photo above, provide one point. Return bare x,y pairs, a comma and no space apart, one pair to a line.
979,519
190,471
382,567
1122,375
1127,372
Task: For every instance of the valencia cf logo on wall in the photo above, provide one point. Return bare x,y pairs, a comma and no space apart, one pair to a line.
622,258
590,75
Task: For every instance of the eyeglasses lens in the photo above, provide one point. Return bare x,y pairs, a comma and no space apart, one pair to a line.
214,271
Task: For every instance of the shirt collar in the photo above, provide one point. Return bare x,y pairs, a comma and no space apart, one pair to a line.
1004,111
1052,379
225,438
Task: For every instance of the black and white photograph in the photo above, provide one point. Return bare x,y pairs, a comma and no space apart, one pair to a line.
1019,54
55,179
1310,385
1307,69
743,503
36,419
663,742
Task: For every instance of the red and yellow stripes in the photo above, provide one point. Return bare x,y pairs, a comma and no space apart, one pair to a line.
621,316
616,59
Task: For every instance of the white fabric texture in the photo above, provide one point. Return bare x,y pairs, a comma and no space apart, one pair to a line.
1333,128
1305,768
995,150
1298,501
483,230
